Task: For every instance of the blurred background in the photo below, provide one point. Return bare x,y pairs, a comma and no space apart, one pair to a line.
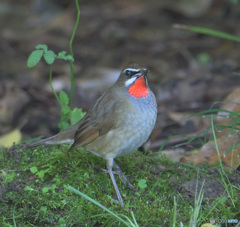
188,71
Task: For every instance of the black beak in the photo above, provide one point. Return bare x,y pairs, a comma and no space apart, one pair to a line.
144,71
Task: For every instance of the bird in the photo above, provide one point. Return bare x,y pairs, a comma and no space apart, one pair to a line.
117,124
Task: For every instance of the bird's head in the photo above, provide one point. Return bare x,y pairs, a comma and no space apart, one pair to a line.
134,79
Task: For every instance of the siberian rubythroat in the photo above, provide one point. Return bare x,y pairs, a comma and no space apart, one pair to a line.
119,122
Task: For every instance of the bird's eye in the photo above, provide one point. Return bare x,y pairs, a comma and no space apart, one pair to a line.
130,72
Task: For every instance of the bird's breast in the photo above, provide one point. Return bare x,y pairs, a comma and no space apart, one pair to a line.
135,121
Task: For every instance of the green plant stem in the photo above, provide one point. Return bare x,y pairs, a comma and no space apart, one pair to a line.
71,52
50,84
216,145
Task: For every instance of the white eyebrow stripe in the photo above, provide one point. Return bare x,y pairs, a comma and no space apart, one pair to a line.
133,70
130,81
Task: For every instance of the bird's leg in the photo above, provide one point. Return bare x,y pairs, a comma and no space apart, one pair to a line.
122,177
109,166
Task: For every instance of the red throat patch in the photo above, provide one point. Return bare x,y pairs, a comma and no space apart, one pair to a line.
138,89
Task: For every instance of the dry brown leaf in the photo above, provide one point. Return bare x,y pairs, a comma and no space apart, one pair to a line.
230,103
208,153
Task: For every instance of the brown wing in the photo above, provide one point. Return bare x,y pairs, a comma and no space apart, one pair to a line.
98,121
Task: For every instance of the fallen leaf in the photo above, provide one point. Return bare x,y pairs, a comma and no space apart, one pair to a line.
208,225
8,139
208,153
230,103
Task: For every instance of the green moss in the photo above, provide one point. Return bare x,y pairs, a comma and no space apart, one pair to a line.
33,193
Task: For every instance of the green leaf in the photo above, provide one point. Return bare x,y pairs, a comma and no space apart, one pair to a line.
62,221
137,194
42,46
28,188
142,183
62,55
41,174
53,186
63,125
69,58
65,110
86,175
43,208
76,115
49,57
63,98
45,190
33,169
203,58
34,58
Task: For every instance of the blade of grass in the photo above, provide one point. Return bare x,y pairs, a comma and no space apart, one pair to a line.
214,205
216,145
134,219
14,219
174,211
194,167
192,138
197,203
232,148
166,142
101,206
230,193
221,165
210,111
208,31
234,126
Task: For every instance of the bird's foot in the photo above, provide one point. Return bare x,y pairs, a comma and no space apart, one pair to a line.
122,177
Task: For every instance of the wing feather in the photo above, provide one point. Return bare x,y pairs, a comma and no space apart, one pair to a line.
97,122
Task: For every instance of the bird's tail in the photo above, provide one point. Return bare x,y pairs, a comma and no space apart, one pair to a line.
52,140
66,136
